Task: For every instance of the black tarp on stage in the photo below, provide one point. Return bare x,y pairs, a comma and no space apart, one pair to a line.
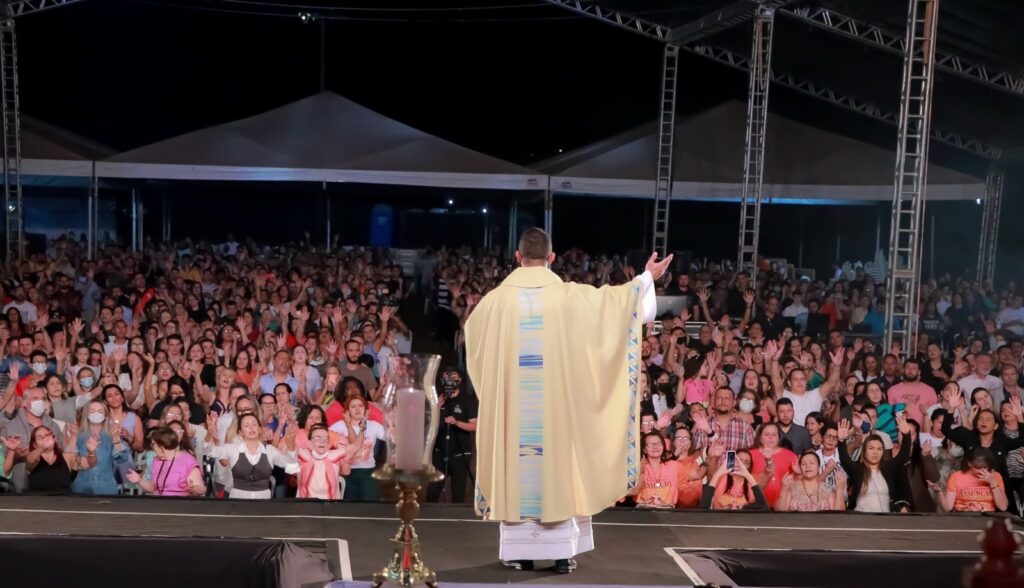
157,562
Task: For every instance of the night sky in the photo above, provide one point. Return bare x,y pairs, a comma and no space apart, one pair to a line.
517,83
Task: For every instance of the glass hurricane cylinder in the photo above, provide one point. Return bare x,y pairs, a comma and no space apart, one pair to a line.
411,413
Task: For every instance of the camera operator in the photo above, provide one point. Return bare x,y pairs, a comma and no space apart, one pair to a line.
455,445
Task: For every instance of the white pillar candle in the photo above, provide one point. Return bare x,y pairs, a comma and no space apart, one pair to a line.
409,429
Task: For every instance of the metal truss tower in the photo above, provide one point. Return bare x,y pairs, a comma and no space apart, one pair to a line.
901,300
666,133
753,161
11,124
990,225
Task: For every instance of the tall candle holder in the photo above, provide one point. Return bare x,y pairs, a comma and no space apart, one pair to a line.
411,417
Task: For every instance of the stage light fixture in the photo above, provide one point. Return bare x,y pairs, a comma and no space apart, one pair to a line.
306,17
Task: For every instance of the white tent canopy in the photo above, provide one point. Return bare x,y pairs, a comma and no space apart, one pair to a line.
324,137
802,163
50,155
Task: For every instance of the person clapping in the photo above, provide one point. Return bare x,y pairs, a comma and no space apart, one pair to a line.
173,471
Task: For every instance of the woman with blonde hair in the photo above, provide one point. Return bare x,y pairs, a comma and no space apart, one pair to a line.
97,450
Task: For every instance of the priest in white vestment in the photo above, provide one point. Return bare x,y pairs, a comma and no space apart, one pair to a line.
555,368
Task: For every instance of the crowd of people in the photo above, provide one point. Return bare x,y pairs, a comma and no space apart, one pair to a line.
194,369
784,398
246,371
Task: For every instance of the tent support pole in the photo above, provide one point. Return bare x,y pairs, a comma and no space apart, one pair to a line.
135,221
549,205
902,287
165,216
513,223
800,247
92,220
878,230
327,214
142,223
991,208
485,239
931,247
753,160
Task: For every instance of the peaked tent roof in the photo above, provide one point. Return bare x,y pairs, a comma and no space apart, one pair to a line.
323,137
50,155
801,162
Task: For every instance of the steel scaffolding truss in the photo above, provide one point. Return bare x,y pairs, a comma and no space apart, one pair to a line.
654,31
843,101
29,6
666,135
901,299
990,225
625,21
729,16
11,129
893,42
753,160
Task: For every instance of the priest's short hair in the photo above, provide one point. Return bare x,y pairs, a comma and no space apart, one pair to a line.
535,244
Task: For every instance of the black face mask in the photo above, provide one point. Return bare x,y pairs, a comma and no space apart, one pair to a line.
665,388
729,368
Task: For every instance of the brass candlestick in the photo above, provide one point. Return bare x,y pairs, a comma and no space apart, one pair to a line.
405,567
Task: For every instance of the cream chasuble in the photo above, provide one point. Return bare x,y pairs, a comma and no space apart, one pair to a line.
555,367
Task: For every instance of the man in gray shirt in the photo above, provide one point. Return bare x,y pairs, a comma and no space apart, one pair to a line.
20,417
798,437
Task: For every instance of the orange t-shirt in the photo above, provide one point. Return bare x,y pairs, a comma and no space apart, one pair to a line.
783,460
689,490
972,493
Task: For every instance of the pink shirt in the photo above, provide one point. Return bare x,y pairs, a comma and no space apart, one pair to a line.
698,391
318,474
918,397
171,477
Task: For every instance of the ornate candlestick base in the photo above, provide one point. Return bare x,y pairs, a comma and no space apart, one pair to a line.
405,567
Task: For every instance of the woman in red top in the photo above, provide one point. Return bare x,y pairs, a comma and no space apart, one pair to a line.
771,461
351,386
245,371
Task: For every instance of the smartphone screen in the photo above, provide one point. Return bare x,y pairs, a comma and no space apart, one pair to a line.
730,460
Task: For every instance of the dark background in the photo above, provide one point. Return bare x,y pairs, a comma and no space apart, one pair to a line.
518,84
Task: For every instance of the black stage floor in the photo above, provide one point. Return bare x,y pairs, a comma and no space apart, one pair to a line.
633,547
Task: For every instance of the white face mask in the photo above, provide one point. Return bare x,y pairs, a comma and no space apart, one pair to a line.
37,407
746,405
956,451
39,368
97,418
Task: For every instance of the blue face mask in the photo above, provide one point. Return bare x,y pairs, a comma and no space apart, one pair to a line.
87,383
865,427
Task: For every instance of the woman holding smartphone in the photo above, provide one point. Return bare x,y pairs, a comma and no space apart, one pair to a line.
732,487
